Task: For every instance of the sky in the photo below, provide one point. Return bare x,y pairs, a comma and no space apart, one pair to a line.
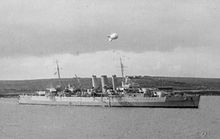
156,38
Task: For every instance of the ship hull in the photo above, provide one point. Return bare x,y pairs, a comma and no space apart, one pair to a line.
163,102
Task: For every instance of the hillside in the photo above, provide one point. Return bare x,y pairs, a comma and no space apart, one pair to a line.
29,86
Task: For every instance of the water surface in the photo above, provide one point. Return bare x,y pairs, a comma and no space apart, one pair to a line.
56,122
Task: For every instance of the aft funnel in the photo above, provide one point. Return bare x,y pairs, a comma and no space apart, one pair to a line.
114,82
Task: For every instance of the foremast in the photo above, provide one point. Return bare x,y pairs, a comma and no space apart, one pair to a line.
58,73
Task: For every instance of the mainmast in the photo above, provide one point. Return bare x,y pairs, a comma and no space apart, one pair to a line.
122,68
122,72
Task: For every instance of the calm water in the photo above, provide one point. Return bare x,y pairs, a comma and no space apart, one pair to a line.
56,122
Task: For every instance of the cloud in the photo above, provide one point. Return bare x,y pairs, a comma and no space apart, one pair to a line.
186,62
166,38
45,27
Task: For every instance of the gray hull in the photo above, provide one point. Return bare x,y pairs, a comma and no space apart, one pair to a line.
166,102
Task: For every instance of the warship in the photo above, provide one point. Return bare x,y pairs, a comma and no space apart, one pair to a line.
128,94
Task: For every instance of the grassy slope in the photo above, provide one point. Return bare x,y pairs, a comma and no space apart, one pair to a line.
29,86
